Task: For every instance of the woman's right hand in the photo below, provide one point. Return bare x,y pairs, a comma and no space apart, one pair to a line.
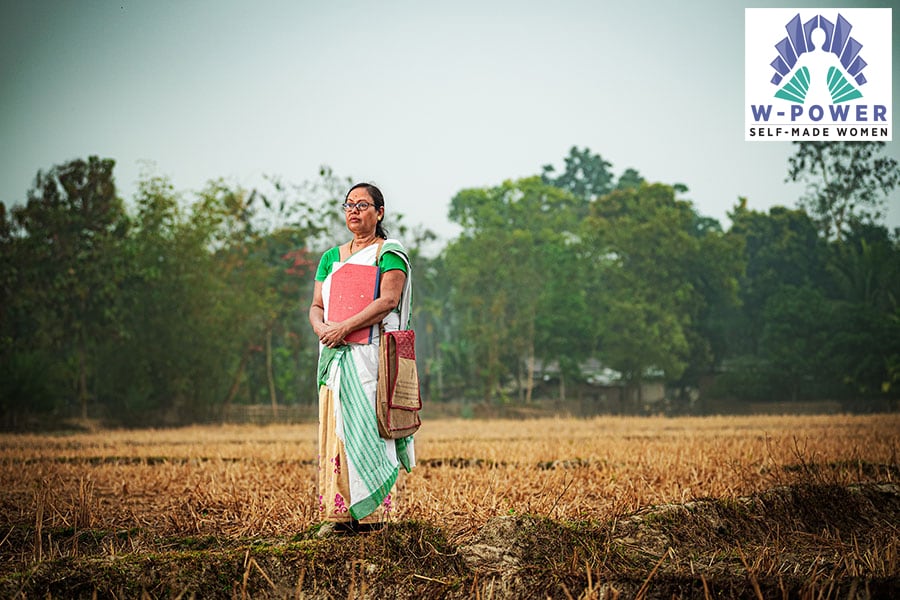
331,334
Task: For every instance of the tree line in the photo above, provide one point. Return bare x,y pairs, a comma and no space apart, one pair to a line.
170,308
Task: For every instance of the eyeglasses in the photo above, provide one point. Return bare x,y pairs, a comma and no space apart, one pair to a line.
360,206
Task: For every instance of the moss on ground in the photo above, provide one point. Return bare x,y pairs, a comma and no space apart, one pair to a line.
797,540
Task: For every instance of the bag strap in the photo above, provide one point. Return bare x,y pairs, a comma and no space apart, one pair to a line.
377,259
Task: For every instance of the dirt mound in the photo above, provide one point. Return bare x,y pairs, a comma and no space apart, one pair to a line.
787,540
826,541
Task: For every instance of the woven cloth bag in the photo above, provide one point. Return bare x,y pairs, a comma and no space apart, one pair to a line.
397,399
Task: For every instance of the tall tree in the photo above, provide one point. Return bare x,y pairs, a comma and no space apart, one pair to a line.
780,247
70,233
794,335
585,175
168,302
863,347
818,318
512,250
661,268
845,182
630,178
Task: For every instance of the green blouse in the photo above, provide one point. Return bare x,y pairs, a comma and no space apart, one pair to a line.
388,262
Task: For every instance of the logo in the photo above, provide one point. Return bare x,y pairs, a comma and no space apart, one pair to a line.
817,74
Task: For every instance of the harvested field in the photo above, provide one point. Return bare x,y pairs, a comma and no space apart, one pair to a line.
721,507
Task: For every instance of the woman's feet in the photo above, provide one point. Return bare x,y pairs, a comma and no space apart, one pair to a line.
329,528
367,527
347,528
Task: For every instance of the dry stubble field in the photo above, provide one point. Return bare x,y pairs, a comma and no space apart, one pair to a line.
601,507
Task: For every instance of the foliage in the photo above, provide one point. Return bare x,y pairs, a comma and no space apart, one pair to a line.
781,247
516,244
586,175
163,316
64,246
793,339
818,318
847,182
662,271
172,307
864,343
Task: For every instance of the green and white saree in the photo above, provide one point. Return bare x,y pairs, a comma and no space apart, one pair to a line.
357,467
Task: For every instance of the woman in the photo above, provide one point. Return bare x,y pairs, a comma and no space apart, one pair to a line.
357,468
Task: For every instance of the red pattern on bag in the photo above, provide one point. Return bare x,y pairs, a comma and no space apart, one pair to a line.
406,344
397,407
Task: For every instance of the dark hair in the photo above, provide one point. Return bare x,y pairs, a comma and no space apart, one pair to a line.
378,199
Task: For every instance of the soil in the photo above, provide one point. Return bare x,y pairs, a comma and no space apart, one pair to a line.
816,541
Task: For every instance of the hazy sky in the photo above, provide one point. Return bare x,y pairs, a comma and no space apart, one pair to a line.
422,98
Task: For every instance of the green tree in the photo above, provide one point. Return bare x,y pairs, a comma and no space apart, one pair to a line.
714,271
864,268
564,326
861,358
845,182
585,175
210,305
661,270
818,318
862,362
262,289
793,340
630,178
781,247
33,378
513,248
67,240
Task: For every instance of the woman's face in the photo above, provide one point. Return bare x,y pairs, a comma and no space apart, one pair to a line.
362,222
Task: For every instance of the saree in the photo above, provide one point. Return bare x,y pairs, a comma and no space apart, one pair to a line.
357,468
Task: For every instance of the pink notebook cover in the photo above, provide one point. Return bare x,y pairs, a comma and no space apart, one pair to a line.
353,287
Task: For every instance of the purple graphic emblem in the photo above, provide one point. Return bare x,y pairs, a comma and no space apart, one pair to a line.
837,41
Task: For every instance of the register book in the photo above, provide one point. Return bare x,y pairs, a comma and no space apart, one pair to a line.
353,287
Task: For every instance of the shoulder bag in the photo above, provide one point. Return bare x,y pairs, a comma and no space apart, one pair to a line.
397,398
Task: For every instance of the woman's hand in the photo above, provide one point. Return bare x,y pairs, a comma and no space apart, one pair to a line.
332,334
319,328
